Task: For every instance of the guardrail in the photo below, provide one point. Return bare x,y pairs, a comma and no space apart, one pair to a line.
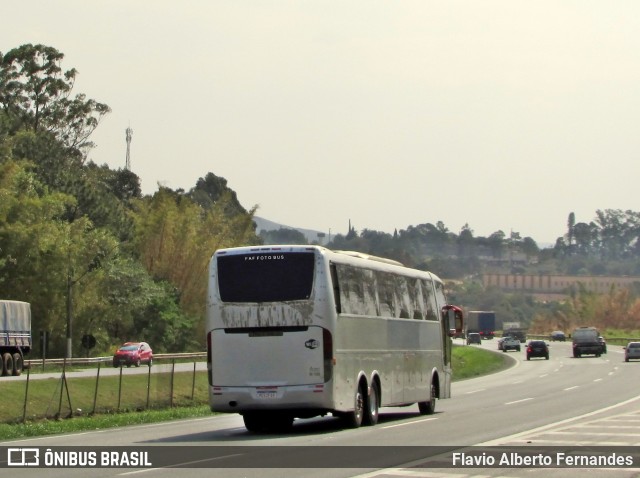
622,341
95,360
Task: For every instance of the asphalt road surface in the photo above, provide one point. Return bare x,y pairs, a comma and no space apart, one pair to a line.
562,403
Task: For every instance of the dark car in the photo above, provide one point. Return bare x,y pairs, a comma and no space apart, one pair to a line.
603,342
585,342
537,348
558,335
133,353
473,338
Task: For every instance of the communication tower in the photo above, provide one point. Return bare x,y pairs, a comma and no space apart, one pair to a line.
129,133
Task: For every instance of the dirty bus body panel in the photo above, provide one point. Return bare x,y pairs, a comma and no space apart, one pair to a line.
301,331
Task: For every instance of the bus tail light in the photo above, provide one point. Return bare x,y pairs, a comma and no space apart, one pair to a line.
209,375
327,354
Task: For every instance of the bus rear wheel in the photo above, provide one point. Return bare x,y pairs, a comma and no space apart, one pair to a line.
253,422
428,408
371,410
354,419
262,422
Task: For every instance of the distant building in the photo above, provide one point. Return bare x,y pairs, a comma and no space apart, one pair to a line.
557,284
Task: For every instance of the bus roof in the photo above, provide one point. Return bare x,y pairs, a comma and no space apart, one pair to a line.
335,254
370,257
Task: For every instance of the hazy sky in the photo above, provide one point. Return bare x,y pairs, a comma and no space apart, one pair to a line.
505,115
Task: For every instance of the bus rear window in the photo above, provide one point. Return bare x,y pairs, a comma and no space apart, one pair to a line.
265,277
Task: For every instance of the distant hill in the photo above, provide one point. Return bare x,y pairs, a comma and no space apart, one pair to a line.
310,234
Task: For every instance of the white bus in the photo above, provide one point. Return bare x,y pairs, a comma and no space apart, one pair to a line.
302,331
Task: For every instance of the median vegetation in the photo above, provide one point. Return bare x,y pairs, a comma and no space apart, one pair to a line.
470,362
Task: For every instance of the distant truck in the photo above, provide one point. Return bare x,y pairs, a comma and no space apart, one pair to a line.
482,322
586,342
15,335
510,325
513,329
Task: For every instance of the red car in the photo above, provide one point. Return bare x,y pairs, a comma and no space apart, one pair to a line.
133,353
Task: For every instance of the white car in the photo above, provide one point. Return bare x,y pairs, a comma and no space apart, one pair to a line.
510,343
632,351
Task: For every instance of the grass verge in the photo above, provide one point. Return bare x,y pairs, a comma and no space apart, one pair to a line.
189,398
98,422
469,362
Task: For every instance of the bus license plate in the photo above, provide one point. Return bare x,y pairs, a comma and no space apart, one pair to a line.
269,394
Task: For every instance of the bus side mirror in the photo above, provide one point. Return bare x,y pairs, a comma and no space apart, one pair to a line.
451,322
454,318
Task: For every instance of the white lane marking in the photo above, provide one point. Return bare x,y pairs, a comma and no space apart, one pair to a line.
608,434
409,423
421,474
556,424
518,401
475,391
178,465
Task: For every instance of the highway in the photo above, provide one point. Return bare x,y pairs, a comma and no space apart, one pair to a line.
559,402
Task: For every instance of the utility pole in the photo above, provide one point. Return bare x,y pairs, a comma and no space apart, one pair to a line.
129,134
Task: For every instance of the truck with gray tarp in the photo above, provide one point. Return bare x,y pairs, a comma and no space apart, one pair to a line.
15,335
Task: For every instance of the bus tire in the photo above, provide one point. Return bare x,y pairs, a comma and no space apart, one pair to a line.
354,419
7,364
280,423
260,422
254,422
18,364
428,408
371,408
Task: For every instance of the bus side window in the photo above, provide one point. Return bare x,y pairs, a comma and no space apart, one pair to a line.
417,299
440,297
386,300
356,299
404,299
348,289
336,288
369,292
430,300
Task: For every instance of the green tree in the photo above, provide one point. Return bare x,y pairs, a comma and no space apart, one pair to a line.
175,239
465,241
585,236
283,236
35,94
213,189
530,247
497,243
